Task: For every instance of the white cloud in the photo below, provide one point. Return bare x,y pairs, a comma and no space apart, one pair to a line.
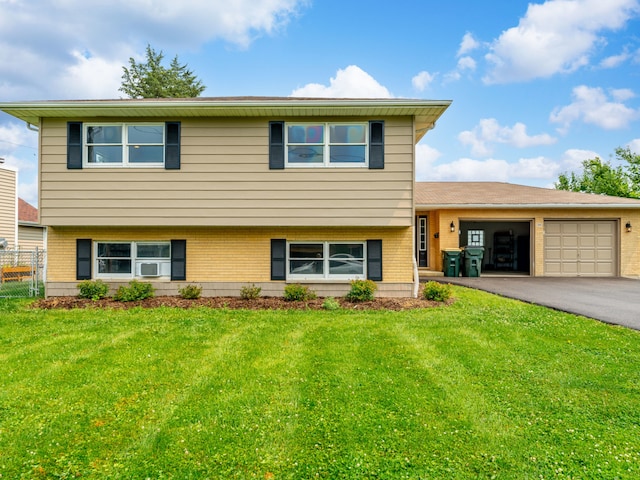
468,44
351,82
557,36
467,170
614,60
489,131
534,168
90,77
573,158
426,156
634,146
466,63
593,106
622,94
14,136
422,80
46,38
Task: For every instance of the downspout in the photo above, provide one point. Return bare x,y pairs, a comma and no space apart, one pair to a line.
32,127
416,275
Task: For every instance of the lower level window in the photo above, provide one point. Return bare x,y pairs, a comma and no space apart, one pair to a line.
133,259
318,260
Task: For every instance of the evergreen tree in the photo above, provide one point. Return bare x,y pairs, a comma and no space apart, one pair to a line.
152,80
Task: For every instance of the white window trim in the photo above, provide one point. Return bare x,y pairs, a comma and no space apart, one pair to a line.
326,157
125,144
325,276
135,260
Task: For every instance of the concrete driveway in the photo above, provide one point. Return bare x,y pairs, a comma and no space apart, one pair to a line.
610,300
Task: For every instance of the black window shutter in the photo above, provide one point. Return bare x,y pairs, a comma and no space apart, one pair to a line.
83,259
276,145
178,259
172,146
74,145
278,259
374,260
376,144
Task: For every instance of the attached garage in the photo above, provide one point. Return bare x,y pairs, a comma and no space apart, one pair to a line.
528,230
574,248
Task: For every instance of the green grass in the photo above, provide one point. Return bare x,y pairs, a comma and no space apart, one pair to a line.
485,388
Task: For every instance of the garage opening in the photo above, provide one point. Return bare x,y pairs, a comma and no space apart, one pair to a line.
507,244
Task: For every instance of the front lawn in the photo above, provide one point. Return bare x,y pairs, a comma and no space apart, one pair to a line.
484,388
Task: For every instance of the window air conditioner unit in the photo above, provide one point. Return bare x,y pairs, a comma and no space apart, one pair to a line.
150,269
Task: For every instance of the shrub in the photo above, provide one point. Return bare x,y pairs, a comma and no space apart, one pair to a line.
190,292
93,289
330,303
436,291
295,291
135,291
250,292
362,291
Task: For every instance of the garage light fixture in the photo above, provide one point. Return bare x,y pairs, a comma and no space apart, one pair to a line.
452,227
628,225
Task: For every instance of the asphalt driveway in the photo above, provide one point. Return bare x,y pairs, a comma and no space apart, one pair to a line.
610,300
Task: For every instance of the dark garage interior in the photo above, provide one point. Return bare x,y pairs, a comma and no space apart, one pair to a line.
507,244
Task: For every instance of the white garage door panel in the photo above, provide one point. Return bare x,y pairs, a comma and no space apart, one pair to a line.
580,247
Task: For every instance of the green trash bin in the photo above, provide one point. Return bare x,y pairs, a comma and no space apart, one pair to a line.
451,262
472,261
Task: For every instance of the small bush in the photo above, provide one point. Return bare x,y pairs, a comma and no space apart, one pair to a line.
362,291
297,292
330,303
436,291
190,292
135,291
93,289
250,292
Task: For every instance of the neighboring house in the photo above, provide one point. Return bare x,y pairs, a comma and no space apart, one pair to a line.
8,207
226,192
31,235
528,230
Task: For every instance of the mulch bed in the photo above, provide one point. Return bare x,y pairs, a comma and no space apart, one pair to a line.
263,303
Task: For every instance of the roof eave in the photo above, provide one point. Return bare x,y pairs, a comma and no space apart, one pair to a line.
526,206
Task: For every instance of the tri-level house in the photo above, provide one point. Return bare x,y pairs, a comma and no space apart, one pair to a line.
227,192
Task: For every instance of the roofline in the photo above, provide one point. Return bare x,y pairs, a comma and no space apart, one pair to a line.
227,101
527,206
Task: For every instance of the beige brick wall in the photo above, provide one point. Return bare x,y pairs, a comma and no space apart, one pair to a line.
231,254
628,243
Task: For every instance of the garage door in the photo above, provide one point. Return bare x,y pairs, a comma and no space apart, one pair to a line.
580,248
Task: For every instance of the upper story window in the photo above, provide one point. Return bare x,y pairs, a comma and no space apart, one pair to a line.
124,145
326,144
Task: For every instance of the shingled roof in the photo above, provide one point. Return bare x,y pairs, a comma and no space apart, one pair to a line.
27,212
507,195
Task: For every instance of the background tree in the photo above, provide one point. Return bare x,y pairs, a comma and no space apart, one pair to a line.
152,80
601,177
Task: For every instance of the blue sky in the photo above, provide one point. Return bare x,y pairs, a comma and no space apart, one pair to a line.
536,87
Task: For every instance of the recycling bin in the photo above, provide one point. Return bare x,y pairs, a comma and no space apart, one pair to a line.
451,262
472,261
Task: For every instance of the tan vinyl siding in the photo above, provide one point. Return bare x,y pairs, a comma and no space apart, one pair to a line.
225,180
30,237
8,206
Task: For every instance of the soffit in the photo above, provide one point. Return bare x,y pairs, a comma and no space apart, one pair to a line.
425,112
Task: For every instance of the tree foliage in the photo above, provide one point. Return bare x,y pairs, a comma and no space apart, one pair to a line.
153,80
602,177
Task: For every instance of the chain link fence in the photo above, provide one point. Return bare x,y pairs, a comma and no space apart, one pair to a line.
22,273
